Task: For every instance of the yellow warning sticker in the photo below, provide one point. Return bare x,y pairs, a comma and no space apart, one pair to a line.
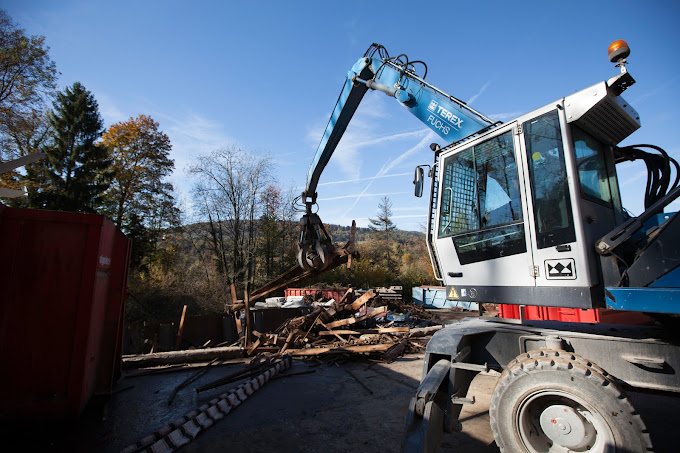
453,294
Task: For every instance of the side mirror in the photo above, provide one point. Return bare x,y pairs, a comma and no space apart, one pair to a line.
418,181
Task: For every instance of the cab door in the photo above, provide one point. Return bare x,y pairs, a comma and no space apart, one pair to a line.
556,229
481,237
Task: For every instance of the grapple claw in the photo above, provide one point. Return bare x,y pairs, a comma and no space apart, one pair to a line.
315,248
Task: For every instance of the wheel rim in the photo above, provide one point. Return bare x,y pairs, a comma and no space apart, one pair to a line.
556,421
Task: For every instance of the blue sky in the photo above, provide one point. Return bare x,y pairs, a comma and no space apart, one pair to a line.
265,75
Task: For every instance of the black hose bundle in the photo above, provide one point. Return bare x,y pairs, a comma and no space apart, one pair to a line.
658,170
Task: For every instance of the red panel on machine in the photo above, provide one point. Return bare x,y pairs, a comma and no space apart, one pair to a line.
63,286
596,315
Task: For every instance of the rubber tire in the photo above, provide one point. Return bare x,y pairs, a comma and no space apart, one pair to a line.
545,352
546,370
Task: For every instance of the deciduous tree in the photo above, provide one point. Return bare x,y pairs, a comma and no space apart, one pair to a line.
229,182
139,199
27,80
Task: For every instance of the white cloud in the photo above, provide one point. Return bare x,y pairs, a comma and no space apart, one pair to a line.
479,93
190,134
363,195
660,89
361,133
355,180
505,116
429,137
109,111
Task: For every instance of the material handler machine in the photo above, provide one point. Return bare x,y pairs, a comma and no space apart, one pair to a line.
529,213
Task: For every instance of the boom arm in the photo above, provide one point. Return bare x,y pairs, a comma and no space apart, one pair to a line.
449,117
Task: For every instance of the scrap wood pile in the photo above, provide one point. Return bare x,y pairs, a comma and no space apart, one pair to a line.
399,306
347,329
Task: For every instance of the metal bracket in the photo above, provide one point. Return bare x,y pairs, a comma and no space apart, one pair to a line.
430,385
470,366
458,400
652,363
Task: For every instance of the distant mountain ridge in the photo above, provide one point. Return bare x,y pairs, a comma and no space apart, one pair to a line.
340,234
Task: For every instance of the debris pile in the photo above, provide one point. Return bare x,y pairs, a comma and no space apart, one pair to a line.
347,329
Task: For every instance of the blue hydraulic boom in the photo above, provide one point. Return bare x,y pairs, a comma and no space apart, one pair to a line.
449,117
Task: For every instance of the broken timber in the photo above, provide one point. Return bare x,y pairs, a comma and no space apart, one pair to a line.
173,357
360,349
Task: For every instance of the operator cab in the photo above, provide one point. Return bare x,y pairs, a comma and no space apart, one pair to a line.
519,208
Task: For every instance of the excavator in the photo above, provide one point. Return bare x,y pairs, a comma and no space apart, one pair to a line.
528,213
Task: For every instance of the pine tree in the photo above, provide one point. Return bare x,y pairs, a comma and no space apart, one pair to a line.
76,165
384,226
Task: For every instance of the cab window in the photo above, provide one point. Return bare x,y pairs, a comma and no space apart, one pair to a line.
548,177
592,170
480,201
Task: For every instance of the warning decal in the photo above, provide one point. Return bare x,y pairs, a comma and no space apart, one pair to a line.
453,294
564,269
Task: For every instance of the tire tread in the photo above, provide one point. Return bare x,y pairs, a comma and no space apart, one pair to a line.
551,360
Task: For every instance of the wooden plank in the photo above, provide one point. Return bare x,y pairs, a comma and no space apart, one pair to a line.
367,331
174,357
153,345
394,352
234,297
376,312
290,339
190,379
350,245
394,330
181,328
249,322
341,350
368,295
339,332
237,320
424,331
267,349
254,346
341,322
338,336
345,296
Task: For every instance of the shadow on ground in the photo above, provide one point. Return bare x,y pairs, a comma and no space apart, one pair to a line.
326,411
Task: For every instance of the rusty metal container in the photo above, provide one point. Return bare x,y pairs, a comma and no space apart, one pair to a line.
328,293
63,284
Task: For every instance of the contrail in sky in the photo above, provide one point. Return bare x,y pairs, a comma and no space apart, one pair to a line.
389,165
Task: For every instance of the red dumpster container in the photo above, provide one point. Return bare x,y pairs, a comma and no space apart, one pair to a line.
62,290
328,293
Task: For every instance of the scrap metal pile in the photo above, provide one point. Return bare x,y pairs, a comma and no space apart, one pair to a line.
345,330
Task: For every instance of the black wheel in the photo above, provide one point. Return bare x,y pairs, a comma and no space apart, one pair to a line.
554,401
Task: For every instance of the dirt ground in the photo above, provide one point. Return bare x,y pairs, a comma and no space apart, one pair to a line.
325,411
